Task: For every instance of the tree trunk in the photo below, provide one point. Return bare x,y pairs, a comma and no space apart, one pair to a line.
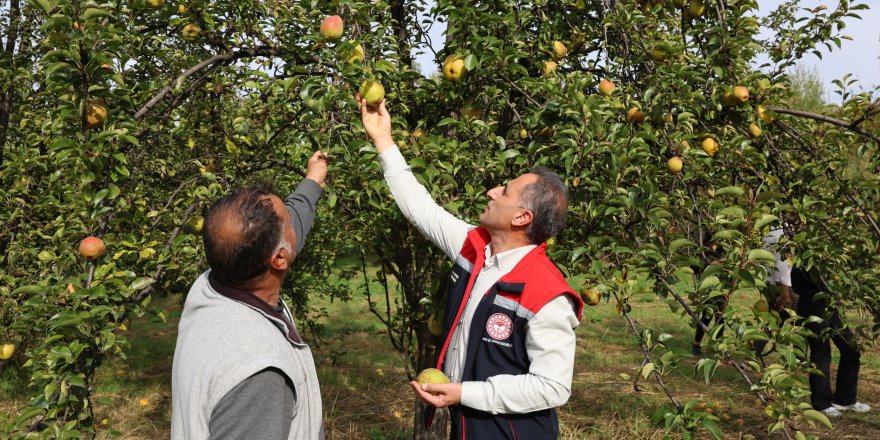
439,428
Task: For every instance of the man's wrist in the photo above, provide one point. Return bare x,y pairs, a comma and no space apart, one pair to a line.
384,143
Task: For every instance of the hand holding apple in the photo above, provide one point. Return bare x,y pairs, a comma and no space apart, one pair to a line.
377,124
317,167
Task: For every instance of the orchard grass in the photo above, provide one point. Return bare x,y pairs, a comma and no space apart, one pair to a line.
366,395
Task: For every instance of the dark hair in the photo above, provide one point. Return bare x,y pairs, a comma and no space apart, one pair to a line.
547,198
241,232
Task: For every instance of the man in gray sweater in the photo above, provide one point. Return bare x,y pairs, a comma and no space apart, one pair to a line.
241,370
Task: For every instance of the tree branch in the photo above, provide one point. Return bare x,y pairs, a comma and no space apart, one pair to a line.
852,126
246,52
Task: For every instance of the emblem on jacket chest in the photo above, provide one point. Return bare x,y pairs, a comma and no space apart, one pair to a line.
499,326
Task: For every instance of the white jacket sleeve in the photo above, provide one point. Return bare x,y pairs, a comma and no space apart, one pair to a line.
415,202
551,345
781,272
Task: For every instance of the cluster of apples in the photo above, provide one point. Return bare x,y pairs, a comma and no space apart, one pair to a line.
332,29
560,51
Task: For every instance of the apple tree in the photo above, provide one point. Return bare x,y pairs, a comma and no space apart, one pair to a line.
124,120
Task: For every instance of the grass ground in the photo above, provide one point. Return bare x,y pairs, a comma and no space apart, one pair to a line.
365,394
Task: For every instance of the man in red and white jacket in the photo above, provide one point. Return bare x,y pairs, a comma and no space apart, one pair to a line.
508,339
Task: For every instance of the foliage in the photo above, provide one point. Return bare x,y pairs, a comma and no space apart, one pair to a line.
258,89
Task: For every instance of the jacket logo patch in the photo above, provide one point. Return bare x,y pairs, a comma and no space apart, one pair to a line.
453,277
499,326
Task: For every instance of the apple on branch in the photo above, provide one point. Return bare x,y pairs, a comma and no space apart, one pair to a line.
331,28
91,248
372,92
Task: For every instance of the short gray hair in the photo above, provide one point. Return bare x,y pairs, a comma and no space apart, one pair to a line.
547,198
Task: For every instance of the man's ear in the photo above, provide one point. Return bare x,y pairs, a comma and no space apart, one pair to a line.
523,218
279,259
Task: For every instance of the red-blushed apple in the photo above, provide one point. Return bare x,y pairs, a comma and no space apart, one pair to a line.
91,247
331,28
606,87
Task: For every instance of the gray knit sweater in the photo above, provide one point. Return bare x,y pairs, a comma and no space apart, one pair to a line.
232,345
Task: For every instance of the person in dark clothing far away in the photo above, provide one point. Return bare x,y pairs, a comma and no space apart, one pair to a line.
813,301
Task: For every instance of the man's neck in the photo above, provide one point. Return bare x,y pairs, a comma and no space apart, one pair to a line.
267,288
505,242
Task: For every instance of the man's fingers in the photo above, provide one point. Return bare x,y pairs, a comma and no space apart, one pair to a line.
382,110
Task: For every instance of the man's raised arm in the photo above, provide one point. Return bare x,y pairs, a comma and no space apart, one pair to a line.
415,202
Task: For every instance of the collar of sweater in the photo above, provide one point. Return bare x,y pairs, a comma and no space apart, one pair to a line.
278,317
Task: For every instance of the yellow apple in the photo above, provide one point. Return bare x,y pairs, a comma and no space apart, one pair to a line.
741,93
549,68
181,8
434,325
432,376
191,32
453,68
143,402
728,100
155,4
523,134
674,164
559,50
196,223
591,296
95,113
635,115
356,55
762,113
372,91
754,130
709,146
6,351
331,28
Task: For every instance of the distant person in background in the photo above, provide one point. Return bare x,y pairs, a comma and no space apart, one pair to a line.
813,301
241,370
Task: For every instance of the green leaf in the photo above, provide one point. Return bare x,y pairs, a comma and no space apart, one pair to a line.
817,416
761,254
709,282
764,220
470,62
727,234
679,243
46,5
141,283
91,13
712,427
46,256
29,414
735,190
647,370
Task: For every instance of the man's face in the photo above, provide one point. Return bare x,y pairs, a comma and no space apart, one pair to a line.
505,203
287,231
